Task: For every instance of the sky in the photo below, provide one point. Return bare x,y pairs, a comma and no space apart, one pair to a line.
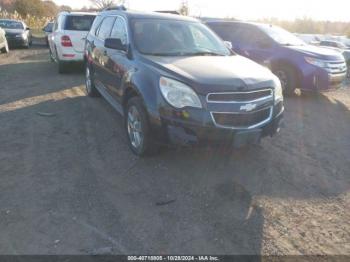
335,10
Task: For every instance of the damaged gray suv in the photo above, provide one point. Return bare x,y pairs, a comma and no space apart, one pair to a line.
175,81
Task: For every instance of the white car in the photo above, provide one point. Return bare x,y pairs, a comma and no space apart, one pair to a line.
67,40
4,46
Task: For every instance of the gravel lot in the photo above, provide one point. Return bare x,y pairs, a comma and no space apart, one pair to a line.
70,185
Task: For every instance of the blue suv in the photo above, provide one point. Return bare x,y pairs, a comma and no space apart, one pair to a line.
297,64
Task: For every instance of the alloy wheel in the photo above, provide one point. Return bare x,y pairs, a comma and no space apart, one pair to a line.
134,126
88,80
283,78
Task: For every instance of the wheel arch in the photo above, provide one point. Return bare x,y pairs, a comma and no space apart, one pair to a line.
283,62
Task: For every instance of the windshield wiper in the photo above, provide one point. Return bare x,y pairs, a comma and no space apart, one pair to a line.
167,54
204,53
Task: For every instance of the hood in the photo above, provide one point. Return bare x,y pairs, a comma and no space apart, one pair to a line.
13,31
317,52
217,73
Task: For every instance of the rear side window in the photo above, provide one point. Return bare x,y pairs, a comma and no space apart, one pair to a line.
252,35
79,23
95,25
106,27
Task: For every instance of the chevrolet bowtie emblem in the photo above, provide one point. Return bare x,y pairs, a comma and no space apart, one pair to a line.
248,107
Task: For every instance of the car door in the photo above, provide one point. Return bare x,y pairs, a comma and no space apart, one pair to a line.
254,44
99,52
117,60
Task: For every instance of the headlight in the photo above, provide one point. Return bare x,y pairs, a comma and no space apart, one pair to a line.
178,94
316,62
24,35
278,90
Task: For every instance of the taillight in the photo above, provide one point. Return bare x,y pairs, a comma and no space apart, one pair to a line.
65,41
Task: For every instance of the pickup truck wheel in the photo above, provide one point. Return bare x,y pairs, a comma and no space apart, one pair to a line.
89,83
138,129
288,79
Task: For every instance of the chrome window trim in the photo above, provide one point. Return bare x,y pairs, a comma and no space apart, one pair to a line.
116,17
239,113
240,102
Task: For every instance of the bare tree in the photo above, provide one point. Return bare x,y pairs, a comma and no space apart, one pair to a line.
102,4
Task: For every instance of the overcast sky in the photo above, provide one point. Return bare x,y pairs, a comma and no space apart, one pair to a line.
245,9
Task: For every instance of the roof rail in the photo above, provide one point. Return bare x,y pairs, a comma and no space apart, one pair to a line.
168,12
119,7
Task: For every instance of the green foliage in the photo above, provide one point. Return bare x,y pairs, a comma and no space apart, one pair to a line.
29,7
34,22
309,26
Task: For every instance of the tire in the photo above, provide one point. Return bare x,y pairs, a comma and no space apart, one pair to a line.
91,89
136,121
52,59
288,78
62,67
5,49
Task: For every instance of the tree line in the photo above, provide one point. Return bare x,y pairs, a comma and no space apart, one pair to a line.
48,8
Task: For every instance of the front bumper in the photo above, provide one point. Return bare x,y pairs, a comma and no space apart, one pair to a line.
16,41
196,127
319,79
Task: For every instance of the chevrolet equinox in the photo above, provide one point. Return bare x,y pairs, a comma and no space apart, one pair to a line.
177,82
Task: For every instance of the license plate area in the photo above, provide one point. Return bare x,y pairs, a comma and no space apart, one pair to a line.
244,138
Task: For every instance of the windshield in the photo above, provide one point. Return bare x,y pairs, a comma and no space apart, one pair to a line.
176,38
79,23
11,24
282,36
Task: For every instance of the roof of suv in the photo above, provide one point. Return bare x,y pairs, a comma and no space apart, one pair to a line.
149,15
77,13
261,25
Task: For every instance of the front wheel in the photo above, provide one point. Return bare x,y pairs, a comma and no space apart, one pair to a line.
138,128
288,78
89,83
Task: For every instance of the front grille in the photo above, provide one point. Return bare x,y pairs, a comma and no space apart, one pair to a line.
242,121
335,68
238,97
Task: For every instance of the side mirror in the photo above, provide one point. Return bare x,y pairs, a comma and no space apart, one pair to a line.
27,28
228,44
116,44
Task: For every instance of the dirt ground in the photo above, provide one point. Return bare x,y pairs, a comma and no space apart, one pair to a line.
70,185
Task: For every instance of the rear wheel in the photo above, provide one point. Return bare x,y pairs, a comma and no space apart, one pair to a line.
138,128
62,67
52,59
288,78
5,49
